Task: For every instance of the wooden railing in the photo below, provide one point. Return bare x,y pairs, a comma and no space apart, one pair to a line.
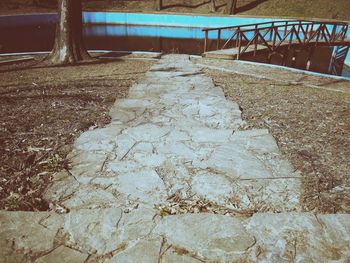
337,61
275,34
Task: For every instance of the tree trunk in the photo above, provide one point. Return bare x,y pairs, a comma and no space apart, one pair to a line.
69,47
159,5
213,6
231,7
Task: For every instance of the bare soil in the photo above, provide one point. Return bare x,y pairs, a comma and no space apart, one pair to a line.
336,9
42,110
311,126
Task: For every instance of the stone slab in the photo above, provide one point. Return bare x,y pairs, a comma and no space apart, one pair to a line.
210,237
26,232
63,254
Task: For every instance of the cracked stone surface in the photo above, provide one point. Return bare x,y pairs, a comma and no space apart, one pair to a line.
212,238
174,178
63,254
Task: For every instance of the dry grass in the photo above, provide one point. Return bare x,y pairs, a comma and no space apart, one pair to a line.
312,128
42,111
337,9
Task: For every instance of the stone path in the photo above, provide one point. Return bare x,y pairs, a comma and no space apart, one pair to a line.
173,178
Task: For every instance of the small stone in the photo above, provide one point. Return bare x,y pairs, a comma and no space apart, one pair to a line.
340,189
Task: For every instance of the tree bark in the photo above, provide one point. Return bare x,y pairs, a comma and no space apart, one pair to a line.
69,47
231,7
159,5
213,6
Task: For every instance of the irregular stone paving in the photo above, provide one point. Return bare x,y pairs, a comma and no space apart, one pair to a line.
173,178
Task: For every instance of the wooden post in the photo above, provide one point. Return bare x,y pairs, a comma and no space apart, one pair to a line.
274,39
239,45
256,38
206,41
213,6
159,5
312,30
285,54
294,58
285,29
299,27
334,30
291,37
306,33
269,58
308,63
345,30
219,39
231,7
271,32
318,34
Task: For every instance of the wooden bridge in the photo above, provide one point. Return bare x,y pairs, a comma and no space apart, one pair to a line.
238,42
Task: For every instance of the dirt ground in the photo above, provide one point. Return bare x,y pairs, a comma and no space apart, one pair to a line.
42,111
336,9
310,119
